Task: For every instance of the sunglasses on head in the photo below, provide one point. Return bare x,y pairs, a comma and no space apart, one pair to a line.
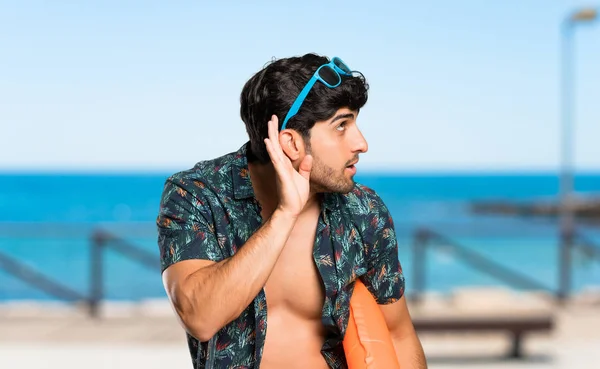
329,74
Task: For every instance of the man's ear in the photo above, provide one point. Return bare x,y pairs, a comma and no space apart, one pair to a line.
293,145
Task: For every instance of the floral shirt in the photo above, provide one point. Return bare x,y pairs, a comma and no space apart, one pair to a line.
209,211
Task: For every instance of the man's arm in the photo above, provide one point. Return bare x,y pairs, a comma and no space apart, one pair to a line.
206,290
385,280
208,295
406,342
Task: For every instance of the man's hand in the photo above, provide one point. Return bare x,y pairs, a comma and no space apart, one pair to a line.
293,185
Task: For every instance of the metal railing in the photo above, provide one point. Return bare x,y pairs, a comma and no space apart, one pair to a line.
39,280
571,241
100,241
587,246
424,238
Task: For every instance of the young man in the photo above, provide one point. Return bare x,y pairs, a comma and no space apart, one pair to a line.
260,248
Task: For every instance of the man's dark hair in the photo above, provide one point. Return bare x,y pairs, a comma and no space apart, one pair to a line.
273,90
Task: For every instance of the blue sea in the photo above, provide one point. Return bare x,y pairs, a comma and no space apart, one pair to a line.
46,221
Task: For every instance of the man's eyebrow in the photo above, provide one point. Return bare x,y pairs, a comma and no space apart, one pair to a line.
342,116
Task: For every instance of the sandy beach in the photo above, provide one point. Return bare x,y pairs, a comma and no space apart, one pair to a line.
147,335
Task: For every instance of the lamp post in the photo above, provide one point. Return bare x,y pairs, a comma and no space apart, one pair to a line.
567,218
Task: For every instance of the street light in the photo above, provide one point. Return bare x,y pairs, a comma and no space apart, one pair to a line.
567,219
584,15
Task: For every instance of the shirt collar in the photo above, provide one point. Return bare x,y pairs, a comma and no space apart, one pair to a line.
242,187
331,201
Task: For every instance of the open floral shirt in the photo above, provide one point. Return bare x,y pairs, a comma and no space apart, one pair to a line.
209,211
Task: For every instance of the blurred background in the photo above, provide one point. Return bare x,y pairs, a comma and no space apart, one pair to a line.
482,123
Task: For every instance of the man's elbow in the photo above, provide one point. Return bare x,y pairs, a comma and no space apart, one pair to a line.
201,332
403,330
193,318
409,349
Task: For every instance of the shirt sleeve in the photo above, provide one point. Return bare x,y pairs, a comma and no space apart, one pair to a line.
185,226
384,277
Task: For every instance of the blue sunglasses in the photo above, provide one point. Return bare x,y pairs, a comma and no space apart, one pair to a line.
329,74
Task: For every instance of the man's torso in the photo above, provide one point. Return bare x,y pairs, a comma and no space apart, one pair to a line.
305,301
295,297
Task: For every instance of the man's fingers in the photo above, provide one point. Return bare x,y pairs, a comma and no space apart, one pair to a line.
277,156
274,131
272,152
273,128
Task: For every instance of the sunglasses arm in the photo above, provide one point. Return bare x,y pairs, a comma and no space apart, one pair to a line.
299,100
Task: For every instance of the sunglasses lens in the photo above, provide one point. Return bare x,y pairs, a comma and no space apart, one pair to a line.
328,75
340,64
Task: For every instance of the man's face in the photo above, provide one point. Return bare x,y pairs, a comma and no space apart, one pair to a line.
335,145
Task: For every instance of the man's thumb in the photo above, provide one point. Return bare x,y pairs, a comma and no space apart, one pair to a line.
306,166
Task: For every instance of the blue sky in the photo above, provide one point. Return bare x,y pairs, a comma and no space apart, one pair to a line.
154,86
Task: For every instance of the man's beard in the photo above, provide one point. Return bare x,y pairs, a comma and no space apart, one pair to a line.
327,179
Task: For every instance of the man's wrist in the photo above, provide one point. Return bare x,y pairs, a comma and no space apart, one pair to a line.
280,215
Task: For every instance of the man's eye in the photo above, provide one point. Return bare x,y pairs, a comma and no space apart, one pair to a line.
341,126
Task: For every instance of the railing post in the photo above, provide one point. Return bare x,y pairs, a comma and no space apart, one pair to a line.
96,273
419,244
565,255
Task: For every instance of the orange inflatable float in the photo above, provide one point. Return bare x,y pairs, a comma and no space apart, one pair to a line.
367,343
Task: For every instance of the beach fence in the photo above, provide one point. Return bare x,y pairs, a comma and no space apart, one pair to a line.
100,240
73,263
91,286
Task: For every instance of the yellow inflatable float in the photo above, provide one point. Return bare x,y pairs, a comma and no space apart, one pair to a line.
367,343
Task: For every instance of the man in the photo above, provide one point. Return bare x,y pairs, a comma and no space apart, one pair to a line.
260,248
